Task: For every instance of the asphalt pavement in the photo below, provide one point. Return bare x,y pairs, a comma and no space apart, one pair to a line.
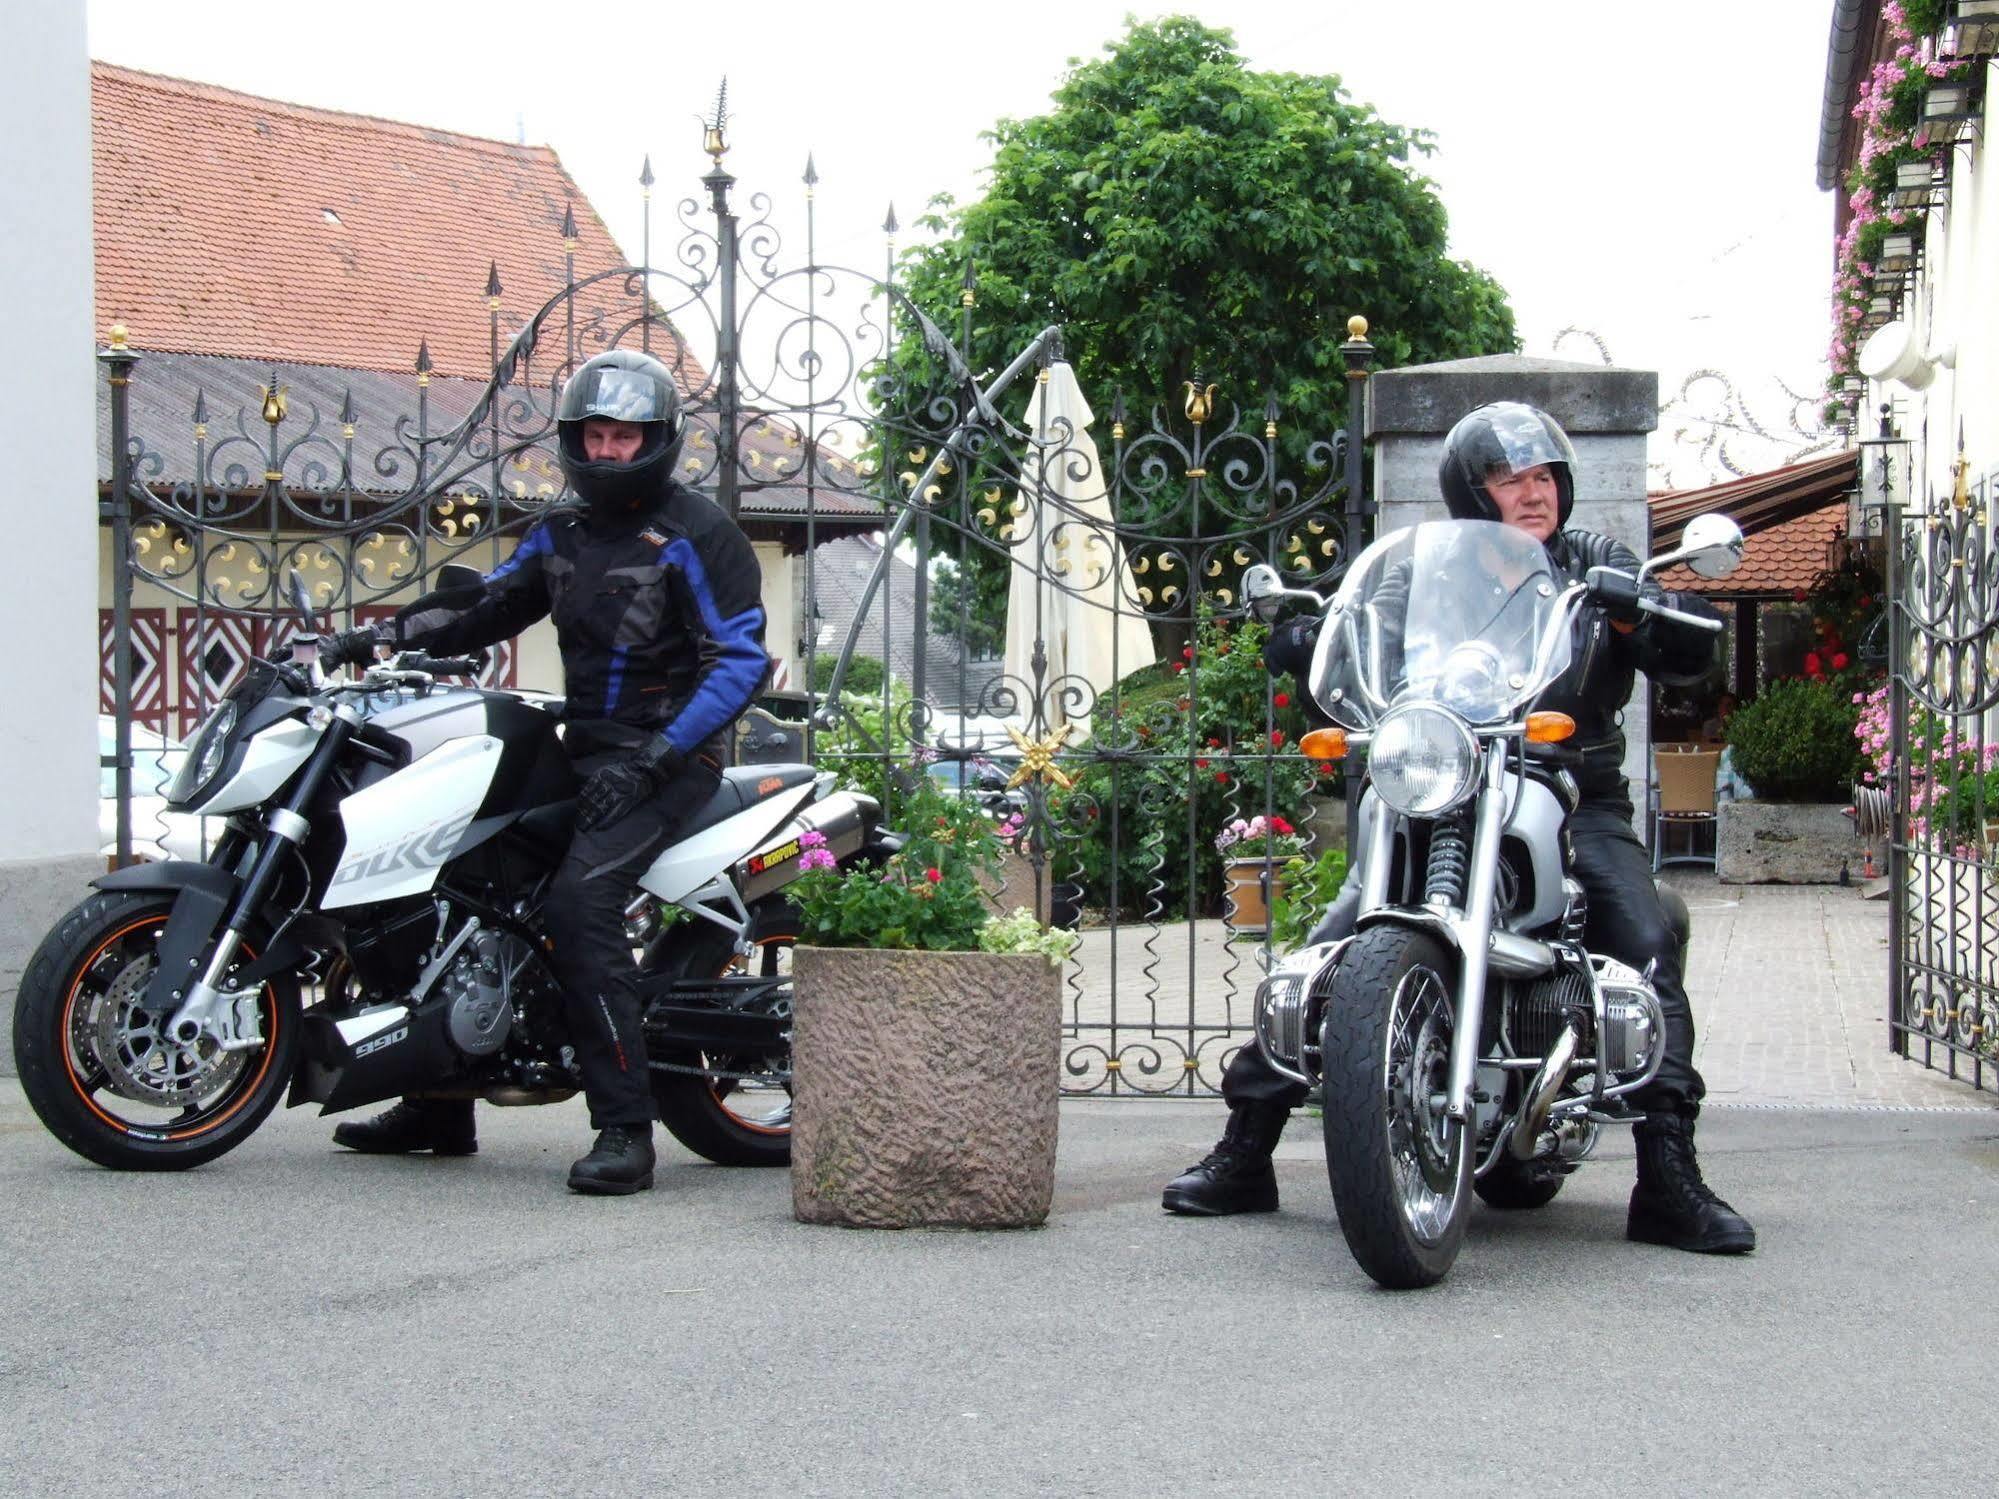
298,1320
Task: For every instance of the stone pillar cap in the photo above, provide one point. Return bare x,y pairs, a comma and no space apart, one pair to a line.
1587,399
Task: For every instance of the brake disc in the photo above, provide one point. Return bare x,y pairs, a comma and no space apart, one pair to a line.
140,1063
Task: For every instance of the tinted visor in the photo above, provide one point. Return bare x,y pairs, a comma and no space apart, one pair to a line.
616,394
1521,438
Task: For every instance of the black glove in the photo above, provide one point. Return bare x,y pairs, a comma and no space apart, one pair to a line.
616,790
350,648
1617,593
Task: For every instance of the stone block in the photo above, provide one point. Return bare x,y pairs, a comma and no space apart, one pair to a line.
924,1088
1785,843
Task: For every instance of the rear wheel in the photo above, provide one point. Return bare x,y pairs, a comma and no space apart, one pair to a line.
103,1075
1400,1165
745,1119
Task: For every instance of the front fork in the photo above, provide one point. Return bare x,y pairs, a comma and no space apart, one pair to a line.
210,1005
1475,932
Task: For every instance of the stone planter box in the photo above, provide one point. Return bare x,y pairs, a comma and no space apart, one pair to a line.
1785,843
924,1088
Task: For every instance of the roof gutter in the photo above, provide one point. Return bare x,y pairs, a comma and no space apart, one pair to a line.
1853,24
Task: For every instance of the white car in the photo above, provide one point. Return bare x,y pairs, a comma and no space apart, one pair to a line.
156,832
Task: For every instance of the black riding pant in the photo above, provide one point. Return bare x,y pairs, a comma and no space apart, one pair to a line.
584,918
1626,922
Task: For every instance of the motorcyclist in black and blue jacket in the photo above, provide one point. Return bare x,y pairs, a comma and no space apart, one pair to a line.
656,597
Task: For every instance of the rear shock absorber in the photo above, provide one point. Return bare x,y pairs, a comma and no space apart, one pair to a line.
1450,863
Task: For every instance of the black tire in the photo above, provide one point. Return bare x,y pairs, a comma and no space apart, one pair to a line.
708,1116
1401,1170
1519,1186
76,1043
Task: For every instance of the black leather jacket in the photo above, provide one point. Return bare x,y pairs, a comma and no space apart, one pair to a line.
1597,685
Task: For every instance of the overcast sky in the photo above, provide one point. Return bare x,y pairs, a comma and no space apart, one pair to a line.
1641,171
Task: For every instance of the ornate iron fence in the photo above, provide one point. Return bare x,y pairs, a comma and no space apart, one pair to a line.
1131,720
1944,861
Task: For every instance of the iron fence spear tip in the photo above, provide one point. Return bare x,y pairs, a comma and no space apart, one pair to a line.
811,171
645,172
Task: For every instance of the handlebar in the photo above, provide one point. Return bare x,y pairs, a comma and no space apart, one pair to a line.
1712,626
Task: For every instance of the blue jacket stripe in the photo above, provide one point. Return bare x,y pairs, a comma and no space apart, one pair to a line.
728,686
534,544
617,682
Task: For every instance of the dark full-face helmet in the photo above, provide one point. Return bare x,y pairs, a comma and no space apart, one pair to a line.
1504,437
621,386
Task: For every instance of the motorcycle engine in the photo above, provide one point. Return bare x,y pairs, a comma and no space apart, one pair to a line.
1634,1027
477,992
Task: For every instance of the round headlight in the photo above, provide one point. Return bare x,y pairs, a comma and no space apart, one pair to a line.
211,748
1423,761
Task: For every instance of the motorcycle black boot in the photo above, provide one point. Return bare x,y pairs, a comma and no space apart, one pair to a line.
1236,1176
1671,1205
442,1126
619,1164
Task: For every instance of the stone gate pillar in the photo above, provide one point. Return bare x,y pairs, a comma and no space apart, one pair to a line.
1607,413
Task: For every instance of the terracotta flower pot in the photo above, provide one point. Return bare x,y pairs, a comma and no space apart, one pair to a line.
1252,887
924,1088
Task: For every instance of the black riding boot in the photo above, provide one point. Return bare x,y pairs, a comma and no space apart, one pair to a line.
619,1163
1671,1205
1236,1176
442,1126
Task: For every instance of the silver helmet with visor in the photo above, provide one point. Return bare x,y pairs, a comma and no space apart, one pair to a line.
1502,438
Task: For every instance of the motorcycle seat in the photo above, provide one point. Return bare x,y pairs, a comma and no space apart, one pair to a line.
744,786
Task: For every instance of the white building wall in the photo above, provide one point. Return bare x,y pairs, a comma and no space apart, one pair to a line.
48,615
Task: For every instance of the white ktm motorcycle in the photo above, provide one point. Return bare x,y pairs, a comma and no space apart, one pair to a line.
368,925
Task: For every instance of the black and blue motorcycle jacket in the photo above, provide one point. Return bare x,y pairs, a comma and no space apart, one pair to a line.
658,613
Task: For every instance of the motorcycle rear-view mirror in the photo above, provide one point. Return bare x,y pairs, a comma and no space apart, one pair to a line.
1264,592
1713,545
301,600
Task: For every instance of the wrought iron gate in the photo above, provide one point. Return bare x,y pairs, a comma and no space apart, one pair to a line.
1944,862
827,385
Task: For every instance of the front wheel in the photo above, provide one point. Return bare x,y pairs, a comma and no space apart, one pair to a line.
1400,1166
103,1075
743,1120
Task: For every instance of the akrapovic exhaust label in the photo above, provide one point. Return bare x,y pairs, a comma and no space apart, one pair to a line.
773,857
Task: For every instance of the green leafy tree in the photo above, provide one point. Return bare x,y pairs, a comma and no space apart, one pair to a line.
1178,212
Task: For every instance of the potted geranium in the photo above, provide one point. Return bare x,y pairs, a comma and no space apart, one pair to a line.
926,1037
1254,851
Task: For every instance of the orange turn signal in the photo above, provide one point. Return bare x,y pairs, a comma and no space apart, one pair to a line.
1549,728
1324,744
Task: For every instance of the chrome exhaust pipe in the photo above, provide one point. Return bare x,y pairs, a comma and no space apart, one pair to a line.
1524,1142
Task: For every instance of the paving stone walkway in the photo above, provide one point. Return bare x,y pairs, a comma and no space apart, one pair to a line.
1789,985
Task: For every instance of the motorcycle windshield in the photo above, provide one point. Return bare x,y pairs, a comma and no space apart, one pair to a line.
1451,612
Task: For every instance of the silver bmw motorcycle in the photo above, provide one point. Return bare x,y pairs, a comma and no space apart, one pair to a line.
1466,1040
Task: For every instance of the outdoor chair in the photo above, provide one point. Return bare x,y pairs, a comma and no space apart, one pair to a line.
1685,803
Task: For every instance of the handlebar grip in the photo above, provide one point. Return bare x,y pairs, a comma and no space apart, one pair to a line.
1712,626
445,666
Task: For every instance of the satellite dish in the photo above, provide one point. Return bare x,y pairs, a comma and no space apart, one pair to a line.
1895,352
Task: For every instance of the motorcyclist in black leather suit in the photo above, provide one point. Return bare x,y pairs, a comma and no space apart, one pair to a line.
1513,463
657,602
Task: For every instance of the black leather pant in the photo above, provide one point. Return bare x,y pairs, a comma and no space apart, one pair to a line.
584,918
1626,922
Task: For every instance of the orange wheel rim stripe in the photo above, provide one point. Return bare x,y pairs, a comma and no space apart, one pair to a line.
76,1083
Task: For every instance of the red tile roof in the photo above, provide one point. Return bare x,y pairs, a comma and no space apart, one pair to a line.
232,225
1788,518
